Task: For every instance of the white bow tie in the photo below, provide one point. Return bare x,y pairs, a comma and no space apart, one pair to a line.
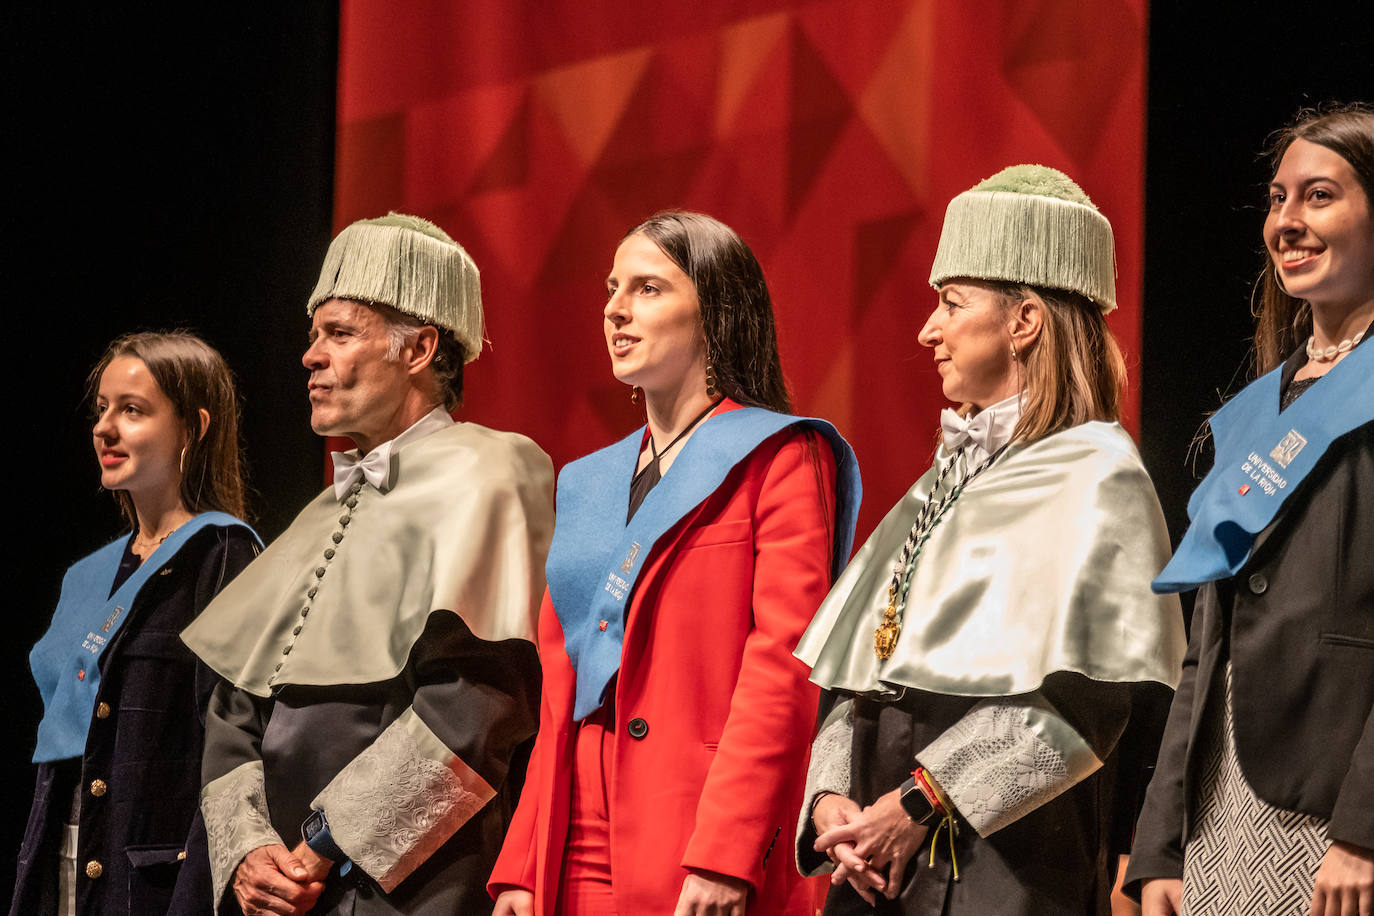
961,430
375,467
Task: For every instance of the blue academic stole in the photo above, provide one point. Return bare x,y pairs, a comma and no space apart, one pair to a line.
596,558
1262,455
66,661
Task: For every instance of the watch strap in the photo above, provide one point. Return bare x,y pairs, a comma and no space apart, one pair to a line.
315,832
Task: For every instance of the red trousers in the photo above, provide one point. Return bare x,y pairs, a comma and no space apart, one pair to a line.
586,889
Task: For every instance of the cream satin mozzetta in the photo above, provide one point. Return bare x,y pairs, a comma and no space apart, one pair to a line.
483,499
1042,565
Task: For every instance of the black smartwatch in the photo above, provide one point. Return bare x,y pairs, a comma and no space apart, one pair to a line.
315,832
914,801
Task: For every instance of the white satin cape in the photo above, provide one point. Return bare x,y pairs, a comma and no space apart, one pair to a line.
1042,564
465,527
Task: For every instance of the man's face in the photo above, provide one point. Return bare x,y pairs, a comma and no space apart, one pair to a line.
355,391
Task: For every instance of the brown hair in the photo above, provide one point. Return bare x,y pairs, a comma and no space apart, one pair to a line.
1348,131
1074,372
193,376
736,310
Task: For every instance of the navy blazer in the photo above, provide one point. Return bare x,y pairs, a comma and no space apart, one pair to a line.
142,847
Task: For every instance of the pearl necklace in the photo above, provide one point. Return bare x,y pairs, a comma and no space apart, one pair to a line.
1329,353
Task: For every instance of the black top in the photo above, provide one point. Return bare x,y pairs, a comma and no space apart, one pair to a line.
649,476
128,565
1293,390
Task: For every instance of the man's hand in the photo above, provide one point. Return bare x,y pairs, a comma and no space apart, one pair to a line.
708,893
1345,882
316,866
272,880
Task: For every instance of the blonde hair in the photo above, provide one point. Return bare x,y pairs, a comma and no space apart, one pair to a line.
1074,372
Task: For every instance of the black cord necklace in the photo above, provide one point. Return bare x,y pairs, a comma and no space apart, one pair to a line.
649,476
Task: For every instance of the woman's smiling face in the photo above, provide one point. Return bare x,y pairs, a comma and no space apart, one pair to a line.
1320,231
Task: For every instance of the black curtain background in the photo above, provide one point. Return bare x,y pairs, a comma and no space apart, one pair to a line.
1222,78
177,172
164,170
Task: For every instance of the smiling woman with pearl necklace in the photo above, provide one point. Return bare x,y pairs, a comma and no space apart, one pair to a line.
1271,737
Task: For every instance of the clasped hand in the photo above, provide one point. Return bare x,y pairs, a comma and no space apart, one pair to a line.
869,846
271,879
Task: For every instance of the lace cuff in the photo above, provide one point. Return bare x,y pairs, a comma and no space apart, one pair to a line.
1005,758
831,756
236,821
400,800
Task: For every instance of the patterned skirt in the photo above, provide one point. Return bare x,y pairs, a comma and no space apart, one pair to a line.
1244,856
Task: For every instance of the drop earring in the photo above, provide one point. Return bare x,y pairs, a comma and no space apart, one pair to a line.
710,376
181,462
634,394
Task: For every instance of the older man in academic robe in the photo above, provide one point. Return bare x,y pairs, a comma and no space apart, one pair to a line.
381,686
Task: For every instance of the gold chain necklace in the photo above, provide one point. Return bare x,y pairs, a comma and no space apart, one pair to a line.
885,636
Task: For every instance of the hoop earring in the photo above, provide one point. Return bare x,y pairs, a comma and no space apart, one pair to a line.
1278,281
634,394
710,376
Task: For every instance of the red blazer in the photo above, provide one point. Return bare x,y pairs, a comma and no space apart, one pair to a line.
716,782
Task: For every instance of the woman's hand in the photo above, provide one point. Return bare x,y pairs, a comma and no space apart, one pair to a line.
708,893
1345,882
882,836
1161,897
514,902
831,811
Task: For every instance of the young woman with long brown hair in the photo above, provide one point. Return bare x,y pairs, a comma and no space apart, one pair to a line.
114,827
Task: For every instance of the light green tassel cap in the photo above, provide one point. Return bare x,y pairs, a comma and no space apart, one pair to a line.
411,265
1029,224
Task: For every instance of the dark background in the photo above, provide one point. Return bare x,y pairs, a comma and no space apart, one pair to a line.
162,172
1222,78
169,172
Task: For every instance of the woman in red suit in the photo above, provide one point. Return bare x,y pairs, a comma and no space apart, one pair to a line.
687,560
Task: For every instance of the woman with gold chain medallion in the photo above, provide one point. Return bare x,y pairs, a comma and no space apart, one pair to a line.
995,665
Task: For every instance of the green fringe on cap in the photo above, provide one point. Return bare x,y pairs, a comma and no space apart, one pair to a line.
1029,224
411,265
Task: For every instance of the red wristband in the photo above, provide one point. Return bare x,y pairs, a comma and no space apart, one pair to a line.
923,783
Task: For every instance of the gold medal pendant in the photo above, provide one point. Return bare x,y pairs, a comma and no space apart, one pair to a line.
885,637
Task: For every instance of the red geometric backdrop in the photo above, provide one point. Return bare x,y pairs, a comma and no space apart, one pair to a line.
830,135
